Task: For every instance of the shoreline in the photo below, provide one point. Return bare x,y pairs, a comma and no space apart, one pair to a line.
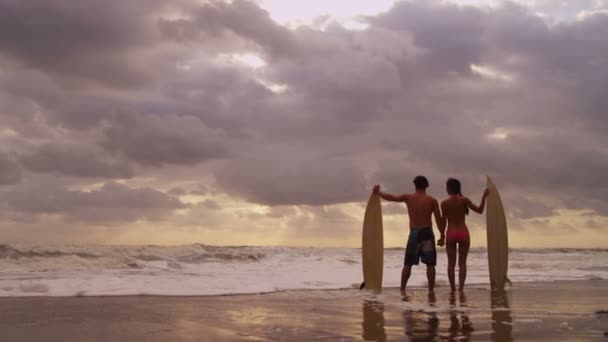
442,287
545,311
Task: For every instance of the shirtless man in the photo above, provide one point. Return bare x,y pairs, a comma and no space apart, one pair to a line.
421,241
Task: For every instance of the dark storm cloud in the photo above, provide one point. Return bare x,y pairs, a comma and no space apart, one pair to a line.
224,97
440,113
112,202
451,34
75,160
193,189
143,82
551,111
330,223
211,204
240,18
568,57
10,172
85,39
526,208
158,140
293,180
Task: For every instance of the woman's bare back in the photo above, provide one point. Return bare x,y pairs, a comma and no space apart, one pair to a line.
454,210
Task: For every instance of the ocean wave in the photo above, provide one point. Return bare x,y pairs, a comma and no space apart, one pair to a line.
78,258
199,269
220,257
483,250
593,277
559,250
9,252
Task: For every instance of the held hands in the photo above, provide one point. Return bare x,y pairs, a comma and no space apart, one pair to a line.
486,193
441,241
376,190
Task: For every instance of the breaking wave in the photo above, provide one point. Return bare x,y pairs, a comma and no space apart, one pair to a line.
199,269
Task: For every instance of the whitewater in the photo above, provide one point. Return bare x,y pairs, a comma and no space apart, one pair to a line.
201,270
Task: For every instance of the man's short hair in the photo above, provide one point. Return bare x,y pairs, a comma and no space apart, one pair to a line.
420,182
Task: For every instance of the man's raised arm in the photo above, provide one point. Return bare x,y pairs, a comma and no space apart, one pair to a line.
389,197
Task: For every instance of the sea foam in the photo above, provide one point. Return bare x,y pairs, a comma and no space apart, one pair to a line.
211,270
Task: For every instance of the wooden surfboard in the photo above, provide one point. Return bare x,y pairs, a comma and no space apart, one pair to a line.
372,245
498,241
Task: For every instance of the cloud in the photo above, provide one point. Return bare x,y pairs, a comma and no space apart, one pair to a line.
327,225
297,180
149,92
211,204
10,172
451,35
158,140
240,18
190,189
88,40
76,160
112,202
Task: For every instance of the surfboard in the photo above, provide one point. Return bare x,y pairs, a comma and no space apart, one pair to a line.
372,245
498,240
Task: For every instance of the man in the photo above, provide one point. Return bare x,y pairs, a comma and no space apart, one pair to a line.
421,241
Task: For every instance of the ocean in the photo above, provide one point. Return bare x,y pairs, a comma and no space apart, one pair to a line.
201,270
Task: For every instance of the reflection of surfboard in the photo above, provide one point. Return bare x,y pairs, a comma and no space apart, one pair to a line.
502,322
498,242
372,245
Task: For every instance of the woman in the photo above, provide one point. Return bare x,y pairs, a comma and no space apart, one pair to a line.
454,209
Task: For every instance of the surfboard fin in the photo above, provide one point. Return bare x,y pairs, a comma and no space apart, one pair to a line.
362,286
509,281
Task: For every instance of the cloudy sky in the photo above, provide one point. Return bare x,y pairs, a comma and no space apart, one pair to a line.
268,122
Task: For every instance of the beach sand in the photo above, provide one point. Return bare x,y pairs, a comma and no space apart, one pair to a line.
559,311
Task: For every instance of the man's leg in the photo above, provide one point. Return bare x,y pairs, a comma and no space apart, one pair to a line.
410,258
430,275
428,255
405,276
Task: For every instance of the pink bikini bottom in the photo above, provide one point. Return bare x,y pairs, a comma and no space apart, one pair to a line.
458,236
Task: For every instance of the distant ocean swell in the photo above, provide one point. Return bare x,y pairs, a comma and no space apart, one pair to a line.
211,270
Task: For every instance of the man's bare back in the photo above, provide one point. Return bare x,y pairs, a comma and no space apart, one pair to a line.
420,208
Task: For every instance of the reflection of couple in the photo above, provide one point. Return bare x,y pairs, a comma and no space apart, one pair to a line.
424,325
421,325
460,324
421,242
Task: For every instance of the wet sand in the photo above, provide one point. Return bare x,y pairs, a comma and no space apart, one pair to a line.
560,311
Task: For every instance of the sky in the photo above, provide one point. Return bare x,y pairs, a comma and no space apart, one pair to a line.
268,122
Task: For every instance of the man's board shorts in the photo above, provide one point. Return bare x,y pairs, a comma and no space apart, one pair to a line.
420,246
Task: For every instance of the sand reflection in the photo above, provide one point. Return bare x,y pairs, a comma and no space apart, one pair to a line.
501,317
460,325
373,321
421,325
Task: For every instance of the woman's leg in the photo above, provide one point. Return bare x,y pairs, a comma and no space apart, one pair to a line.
451,251
463,252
